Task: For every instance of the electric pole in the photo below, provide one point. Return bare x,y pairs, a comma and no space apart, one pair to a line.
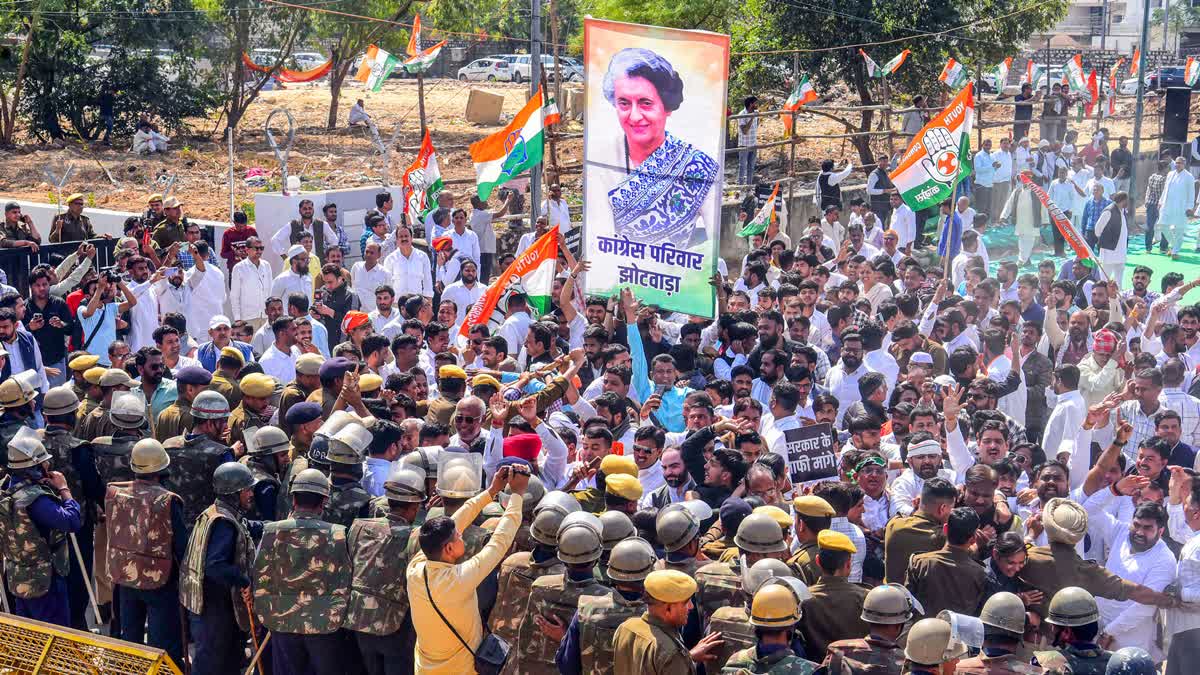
1141,94
535,82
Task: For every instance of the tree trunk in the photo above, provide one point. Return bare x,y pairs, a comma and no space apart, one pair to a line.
863,143
10,121
337,78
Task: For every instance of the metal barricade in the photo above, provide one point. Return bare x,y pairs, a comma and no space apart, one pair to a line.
18,262
29,647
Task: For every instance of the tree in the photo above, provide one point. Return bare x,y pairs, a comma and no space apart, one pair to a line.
1179,16
242,25
351,37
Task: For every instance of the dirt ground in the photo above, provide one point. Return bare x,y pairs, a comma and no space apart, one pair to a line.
346,157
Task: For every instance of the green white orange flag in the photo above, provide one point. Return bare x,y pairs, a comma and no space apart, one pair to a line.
1062,222
939,155
1001,73
422,181
954,75
376,67
519,146
1033,74
761,220
897,61
1076,77
532,273
802,94
873,69
1191,71
419,60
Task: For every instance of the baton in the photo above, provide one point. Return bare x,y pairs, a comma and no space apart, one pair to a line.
86,582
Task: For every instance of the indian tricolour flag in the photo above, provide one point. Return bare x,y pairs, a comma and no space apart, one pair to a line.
1033,74
765,216
422,181
939,155
894,64
1191,71
502,156
532,273
1076,78
1000,72
954,75
419,60
376,67
802,94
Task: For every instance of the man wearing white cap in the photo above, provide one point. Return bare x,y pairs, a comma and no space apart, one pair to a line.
295,278
220,337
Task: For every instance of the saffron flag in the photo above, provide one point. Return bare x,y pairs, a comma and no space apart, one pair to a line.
1062,222
1191,72
519,146
954,75
422,181
1093,92
1000,72
532,273
802,94
1111,99
765,216
419,60
1137,61
376,67
939,155
1076,78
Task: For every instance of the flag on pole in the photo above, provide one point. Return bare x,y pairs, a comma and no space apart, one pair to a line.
802,94
954,75
422,182
765,216
376,67
1062,222
1137,60
939,155
873,69
950,236
897,61
1093,92
1033,73
1111,99
519,146
1000,72
1076,78
1191,71
419,60
532,273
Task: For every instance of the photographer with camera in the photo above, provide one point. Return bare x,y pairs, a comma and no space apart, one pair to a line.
98,318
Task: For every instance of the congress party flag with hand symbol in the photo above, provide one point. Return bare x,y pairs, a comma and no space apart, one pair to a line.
939,156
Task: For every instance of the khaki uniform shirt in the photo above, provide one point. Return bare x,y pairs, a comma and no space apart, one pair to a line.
66,228
292,394
804,563
174,420
906,537
1052,568
948,578
832,613
644,645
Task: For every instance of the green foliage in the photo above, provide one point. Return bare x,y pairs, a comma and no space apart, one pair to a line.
151,68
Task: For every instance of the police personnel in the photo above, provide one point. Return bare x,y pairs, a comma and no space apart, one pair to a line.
678,532
91,392
554,598
267,458
72,225
758,537
37,513
214,580
308,367
254,410
587,646
886,610
733,621
928,647
304,605
774,613
813,516
197,453
1074,618
651,643
520,570
834,612
113,382
147,536
176,419
377,610
347,497
1003,618
17,395
73,458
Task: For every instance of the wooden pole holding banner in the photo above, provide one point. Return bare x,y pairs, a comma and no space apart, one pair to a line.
421,101
535,79
229,133
792,143
551,138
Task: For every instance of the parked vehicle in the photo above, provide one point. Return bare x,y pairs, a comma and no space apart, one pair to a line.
1169,76
1128,86
572,71
489,69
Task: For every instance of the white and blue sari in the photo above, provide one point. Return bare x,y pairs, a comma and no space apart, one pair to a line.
662,200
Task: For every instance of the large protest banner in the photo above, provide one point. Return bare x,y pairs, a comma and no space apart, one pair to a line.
654,137
811,454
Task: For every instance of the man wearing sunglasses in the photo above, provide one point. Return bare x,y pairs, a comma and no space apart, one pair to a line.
250,285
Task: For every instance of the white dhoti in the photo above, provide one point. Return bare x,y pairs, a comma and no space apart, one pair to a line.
1178,197
1021,210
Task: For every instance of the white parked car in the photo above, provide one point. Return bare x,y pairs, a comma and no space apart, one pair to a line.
572,71
490,69
1128,86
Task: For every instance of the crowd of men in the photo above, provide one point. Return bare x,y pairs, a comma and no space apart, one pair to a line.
606,486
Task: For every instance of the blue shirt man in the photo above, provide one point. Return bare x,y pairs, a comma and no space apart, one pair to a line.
670,413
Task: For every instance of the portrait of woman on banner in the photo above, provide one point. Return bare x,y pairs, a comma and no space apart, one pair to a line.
662,185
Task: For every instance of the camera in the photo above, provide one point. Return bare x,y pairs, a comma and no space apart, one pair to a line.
112,276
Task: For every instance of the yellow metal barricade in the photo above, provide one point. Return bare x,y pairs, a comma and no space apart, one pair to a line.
30,647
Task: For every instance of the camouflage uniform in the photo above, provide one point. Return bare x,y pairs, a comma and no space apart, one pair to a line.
733,623
781,662
242,418
688,567
347,501
31,561
552,595
111,455
1073,660
303,573
517,574
378,606
217,612
598,617
73,457
644,644
720,585
1005,664
882,656
174,420
63,446
193,461
266,482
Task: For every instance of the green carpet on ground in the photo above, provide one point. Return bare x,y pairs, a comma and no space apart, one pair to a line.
1001,243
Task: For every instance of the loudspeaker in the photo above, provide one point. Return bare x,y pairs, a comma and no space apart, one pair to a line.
1175,115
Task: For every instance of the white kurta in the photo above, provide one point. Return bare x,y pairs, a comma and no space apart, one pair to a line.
1178,197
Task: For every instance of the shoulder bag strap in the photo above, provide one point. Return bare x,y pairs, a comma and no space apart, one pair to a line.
425,573
88,342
